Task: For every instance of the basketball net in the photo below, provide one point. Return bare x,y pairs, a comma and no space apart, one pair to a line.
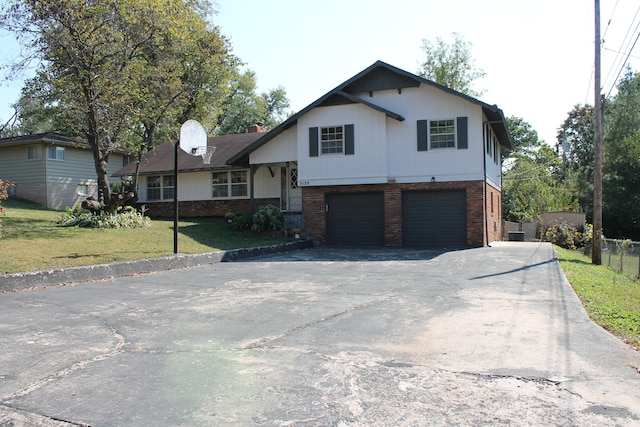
206,152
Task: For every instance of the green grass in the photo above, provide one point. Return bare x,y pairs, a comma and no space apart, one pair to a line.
32,241
612,299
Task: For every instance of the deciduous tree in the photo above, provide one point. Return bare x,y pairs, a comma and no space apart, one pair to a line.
451,65
116,69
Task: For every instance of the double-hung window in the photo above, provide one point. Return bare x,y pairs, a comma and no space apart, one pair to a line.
442,133
331,140
230,184
160,187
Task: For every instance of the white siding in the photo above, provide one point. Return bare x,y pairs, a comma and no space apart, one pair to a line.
282,148
368,165
406,163
266,186
198,185
386,149
194,186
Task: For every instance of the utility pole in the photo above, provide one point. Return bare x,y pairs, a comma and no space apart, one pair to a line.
596,252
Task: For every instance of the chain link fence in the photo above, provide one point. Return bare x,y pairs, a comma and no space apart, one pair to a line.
622,255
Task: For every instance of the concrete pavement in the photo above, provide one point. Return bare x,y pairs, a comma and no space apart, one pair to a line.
323,336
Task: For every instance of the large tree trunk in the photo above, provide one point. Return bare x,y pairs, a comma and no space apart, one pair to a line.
100,163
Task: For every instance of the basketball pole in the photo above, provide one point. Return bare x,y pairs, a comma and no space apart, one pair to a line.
175,197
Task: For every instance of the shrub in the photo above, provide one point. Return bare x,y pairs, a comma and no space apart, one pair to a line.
268,218
567,235
125,217
4,194
242,222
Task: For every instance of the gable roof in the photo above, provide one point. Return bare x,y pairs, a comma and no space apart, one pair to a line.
161,159
379,76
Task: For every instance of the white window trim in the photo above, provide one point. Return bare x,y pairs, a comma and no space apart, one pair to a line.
229,184
162,187
455,135
342,141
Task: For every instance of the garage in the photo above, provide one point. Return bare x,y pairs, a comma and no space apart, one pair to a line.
355,218
434,218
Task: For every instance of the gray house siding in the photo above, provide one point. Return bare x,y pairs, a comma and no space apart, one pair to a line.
29,175
50,182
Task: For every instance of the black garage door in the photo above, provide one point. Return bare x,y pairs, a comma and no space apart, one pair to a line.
355,218
434,218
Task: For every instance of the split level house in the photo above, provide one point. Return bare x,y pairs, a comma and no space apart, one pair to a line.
51,169
385,158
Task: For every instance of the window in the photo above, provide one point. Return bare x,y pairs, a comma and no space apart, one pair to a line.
168,187
34,152
238,183
230,184
55,153
442,133
160,187
82,190
154,187
331,140
220,184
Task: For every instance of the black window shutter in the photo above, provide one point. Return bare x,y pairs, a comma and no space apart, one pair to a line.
422,135
313,142
349,144
461,130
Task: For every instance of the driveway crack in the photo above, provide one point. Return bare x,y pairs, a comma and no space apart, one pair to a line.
117,349
261,342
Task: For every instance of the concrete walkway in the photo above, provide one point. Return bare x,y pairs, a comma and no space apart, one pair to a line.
318,337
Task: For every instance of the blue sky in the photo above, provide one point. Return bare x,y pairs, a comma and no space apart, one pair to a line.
538,55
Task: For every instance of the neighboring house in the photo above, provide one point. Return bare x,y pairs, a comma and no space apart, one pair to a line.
216,188
51,169
385,158
391,158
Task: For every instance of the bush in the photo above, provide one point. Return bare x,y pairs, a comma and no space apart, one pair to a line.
567,235
268,218
125,217
242,222
4,194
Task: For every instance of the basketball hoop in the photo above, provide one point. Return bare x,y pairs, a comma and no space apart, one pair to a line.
203,151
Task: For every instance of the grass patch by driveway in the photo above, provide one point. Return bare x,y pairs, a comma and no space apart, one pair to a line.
32,241
612,299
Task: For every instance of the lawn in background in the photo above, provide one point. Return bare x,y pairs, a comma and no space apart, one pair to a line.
612,299
32,241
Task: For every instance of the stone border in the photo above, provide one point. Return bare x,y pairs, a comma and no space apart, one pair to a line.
17,281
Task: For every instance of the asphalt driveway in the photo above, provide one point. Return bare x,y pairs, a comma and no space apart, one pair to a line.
318,337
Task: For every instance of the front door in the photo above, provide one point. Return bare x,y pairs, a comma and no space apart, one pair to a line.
290,193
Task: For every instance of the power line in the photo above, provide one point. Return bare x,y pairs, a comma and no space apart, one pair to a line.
624,63
616,63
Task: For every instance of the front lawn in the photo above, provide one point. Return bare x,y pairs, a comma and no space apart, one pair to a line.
612,299
32,241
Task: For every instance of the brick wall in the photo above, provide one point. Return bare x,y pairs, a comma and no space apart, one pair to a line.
313,208
205,208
